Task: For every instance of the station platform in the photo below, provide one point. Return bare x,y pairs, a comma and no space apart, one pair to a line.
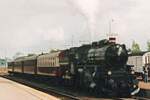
10,90
145,86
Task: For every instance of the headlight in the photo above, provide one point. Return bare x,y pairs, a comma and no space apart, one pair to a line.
132,72
109,73
134,86
80,70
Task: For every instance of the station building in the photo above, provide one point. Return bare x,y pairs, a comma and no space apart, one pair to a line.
3,63
139,61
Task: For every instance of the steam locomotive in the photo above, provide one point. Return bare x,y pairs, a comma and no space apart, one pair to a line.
100,66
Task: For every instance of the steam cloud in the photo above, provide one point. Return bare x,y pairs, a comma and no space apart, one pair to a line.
89,9
51,35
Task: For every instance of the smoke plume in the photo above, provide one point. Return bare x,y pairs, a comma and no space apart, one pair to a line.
89,9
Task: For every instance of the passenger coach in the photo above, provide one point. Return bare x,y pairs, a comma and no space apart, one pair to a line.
25,64
52,64
48,64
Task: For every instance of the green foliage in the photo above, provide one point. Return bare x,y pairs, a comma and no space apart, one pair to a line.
148,45
135,47
54,50
31,54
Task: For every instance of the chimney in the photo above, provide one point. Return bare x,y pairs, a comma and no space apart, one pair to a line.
112,39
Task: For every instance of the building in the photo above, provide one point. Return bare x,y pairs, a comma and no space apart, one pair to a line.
139,60
3,63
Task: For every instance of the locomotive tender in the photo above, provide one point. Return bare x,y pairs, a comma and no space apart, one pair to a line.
100,66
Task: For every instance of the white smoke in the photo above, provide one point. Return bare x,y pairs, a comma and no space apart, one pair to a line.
55,34
88,8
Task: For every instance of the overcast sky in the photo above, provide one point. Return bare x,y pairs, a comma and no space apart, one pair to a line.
29,26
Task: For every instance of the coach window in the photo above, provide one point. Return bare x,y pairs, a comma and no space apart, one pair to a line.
40,61
55,61
43,61
148,59
145,59
49,63
50,60
46,61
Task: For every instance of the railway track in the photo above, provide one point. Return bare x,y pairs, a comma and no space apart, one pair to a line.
63,95
50,90
140,98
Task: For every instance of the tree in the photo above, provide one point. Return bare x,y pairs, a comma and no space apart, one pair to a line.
148,45
135,47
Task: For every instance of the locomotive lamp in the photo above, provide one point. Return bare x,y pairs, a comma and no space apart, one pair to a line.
132,72
134,86
109,73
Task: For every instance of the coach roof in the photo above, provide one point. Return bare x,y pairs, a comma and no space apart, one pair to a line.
23,58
